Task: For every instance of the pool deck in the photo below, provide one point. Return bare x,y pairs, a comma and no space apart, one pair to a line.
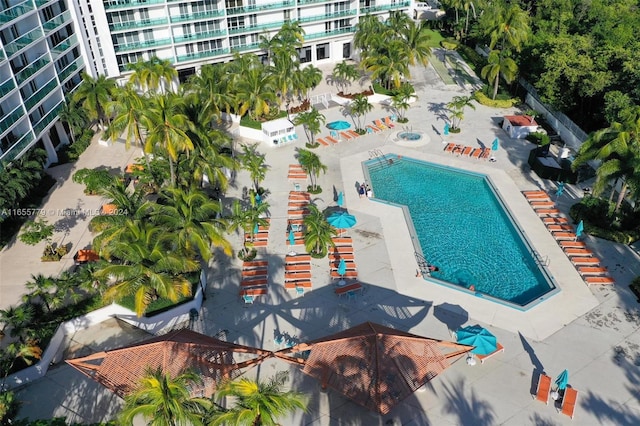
593,331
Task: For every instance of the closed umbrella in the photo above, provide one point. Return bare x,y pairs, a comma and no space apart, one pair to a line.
340,201
446,129
496,143
560,189
292,238
474,335
562,380
579,229
255,229
342,267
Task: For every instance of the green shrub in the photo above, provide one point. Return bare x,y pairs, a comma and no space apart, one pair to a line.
35,231
162,304
449,44
380,89
596,214
485,100
249,122
472,58
538,138
71,153
93,179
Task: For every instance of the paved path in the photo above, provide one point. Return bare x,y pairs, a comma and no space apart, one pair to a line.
591,331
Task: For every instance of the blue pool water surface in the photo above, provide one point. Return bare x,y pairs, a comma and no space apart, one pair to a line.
410,136
462,228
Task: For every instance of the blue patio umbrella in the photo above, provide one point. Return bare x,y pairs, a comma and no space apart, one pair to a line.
474,335
292,238
339,125
340,200
342,267
446,129
562,380
341,220
560,189
580,229
496,143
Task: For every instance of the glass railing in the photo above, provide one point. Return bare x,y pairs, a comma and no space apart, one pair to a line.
329,33
40,94
17,148
259,8
123,4
142,44
196,16
255,28
2,55
54,23
10,119
42,2
138,24
244,47
202,55
192,37
16,11
383,7
31,69
327,16
70,69
303,2
48,119
6,87
64,45
24,41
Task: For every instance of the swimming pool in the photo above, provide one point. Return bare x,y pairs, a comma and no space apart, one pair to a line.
463,228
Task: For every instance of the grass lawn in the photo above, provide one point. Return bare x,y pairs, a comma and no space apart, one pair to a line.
436,38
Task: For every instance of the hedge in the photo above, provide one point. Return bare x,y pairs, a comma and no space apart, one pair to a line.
483,99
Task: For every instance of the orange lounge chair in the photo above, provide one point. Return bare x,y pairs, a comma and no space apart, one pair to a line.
486,154
388,122
353,133
585,260
483,358
295,275
322,142
569,402
299,258
340,291
572,244
449,147
258,291
592,270
577,252
555,220
466,151
346,136
254,273
253,282
542,204
535,194
350,265
301,267
331,139
379,124
108,209
291,285
476,153
544,388
548,212
342,241
298,212
343,249
599,280
564,236
337,257
347,274
457,149
84,256
554,228
257,263
373,128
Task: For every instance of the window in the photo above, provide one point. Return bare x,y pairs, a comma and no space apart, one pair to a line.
237,41
235,22
233,3
322,51
305,54
346,50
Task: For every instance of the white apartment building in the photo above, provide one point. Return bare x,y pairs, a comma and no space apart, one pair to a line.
45,44
40,61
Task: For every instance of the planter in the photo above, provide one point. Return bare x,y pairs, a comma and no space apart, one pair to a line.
317,190
249,256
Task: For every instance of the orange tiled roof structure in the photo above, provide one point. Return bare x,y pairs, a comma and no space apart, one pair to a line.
373,365
120,370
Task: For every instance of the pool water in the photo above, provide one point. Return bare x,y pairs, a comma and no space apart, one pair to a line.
410,136
462,228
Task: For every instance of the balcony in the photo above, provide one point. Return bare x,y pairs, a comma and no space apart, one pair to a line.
198,16
383,7
7,87
56,22
202,55
48,119
16,11
305,2
255,28
60,48
69,70
327,16
245,47
31,69
259,8
141,45
21,42
17,148
137,25
335,32
40,94
10,119
127,4
200,36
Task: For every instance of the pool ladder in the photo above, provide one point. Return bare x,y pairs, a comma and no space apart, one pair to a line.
542,261
375,153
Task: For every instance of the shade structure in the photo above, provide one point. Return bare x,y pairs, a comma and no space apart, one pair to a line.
342,267
339,125
373,365
580,229
120,370
562,380
495,144
292,238
474,335
340,201
341,220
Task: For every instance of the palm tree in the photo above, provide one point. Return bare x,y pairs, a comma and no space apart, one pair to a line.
256,403
28,352
94,95
311,121
18,320
254,162
311,164
498,65
506,25
153,74
457,106
400,100
247,219
267,43
192,217
344,74
127,110
418,42
210,87
42,289
255,92
308,79
74,117
390,66
146,264
318,232
168,128
358,109
368,33
163,400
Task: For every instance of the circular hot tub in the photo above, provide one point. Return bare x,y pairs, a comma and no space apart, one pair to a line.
409,136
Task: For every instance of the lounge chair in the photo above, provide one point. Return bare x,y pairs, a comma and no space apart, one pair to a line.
296,275
555,220
486,154
254,282
322,142
258,291
466,151
449,147
299,267
350,265
542,204
255,264
572,244
379,124
577,252
585,260
353,134
554,227
342,241
457,149
349,288
373,129
534,193
254,273
298,258
498,350
336,257
476,153
569,400
343,249
291,285
544,388
331,139
388,123
347,274
548,212
592,270
599,280
564,236
345,135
